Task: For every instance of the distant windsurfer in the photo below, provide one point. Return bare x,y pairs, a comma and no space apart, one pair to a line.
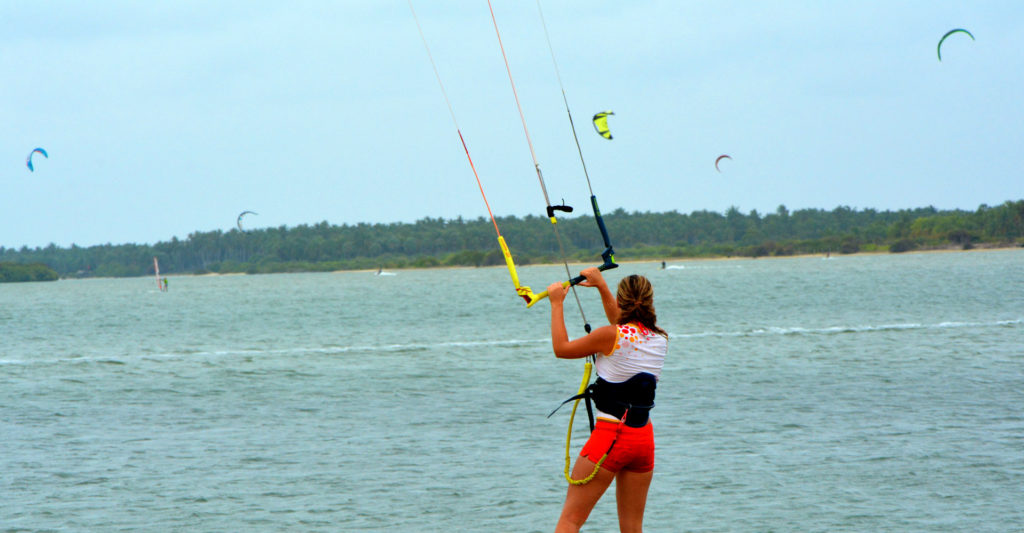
630,353
165,285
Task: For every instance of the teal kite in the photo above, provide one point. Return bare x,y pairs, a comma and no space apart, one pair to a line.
28,160
242,214
938,49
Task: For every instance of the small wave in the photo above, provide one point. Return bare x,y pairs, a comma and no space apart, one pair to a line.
834,330
701,267
298,351
417,346
385,348
104,360
334,350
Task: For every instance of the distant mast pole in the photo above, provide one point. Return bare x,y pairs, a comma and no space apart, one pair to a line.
156,269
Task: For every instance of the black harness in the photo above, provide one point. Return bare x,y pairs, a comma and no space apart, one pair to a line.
633,398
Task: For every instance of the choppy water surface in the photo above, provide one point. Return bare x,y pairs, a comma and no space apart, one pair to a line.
859,393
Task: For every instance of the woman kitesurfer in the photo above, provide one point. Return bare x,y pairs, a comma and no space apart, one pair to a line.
630,353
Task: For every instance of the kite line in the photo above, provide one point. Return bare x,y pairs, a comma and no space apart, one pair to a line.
572,282
523,291
609,262
609,253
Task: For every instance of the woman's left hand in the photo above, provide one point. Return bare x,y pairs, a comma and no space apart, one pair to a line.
556,292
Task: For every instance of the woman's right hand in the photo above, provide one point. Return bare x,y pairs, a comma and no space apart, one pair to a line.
594,277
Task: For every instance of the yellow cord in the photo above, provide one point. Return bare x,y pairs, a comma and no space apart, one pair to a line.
583,387
523,291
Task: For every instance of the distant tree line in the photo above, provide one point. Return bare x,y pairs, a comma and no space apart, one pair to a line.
10,272
458,242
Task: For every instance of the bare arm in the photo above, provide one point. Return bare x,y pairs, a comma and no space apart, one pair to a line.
595,279
601,340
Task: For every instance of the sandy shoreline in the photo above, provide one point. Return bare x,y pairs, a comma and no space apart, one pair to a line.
581,265
677,260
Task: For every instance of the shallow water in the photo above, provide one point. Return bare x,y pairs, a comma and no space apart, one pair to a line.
858,393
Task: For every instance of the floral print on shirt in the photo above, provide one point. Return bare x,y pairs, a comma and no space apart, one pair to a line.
634,334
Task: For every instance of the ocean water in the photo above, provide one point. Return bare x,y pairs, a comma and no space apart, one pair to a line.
857,393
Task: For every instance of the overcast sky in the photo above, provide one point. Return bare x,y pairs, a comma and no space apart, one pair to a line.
163,118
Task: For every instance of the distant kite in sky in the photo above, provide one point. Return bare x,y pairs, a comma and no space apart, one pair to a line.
242,214
601,124
721,157
938,49
28,160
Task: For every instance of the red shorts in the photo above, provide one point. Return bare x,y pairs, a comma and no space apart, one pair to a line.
633,449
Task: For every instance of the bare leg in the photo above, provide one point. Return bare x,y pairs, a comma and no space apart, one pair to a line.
631,497
581,499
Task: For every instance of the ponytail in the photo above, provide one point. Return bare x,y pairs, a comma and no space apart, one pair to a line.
635,297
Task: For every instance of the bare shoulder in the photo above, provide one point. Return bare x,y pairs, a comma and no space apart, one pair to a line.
605,337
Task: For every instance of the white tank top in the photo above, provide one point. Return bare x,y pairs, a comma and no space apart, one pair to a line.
637,349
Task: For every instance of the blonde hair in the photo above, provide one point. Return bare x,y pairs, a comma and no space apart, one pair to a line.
635,297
